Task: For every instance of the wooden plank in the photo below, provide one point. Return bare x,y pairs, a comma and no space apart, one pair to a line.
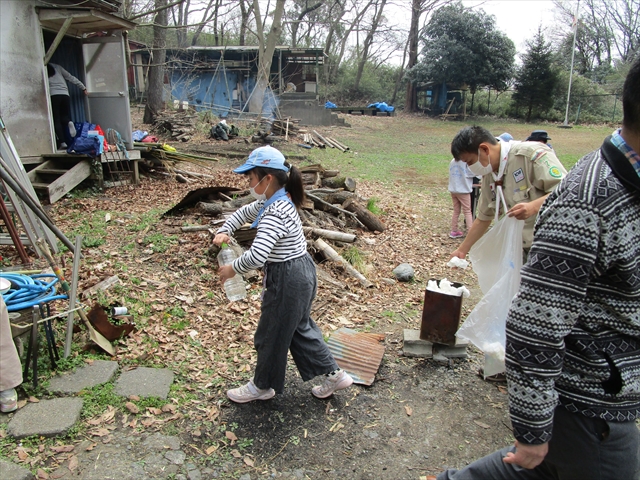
64,184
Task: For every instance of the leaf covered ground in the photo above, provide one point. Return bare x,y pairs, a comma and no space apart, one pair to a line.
417,418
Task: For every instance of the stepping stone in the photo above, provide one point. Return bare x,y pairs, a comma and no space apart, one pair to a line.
145,382
101,371
47,418
11,471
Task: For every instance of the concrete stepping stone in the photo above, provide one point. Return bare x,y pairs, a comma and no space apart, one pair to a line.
47,418
11,471
97,373
145,382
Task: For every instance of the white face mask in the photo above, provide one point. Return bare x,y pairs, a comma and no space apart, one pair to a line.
258,196
480,170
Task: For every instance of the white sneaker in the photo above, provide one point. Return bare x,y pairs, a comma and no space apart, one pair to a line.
249,393
8,400
338,381
72,129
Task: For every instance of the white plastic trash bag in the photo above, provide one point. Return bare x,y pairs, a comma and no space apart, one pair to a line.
497,259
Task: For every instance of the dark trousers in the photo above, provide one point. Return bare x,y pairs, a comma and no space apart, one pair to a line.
285,325
581,449
61,108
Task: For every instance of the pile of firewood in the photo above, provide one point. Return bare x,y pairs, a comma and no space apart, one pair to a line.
179,125
322,141
333,212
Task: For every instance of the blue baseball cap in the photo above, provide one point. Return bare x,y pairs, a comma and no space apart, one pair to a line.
507,137
267,157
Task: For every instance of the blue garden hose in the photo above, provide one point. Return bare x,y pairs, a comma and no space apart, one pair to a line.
28,290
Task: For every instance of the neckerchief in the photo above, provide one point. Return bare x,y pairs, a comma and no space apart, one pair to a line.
628,152
497,177
276,196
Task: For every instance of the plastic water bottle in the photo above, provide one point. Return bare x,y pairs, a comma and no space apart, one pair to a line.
235,286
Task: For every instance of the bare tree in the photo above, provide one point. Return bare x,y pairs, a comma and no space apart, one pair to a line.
376,19
303,9
156,70
266,47
418,9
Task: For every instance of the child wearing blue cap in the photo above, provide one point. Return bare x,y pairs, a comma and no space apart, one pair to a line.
290,281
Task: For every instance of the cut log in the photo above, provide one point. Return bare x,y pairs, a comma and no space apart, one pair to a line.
364,216
331,234
332,255
338,197
210,208
347,183
330,173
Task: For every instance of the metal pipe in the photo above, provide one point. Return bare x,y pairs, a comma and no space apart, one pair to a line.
33,207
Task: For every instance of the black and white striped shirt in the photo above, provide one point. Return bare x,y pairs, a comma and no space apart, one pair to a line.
279,238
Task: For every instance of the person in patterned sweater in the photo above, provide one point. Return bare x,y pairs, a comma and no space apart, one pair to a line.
573,330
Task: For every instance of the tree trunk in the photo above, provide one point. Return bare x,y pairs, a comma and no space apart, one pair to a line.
367,43
156,70
365,216
265,55
411,100
244,21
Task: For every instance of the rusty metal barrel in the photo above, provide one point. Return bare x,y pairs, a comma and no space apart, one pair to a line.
441,316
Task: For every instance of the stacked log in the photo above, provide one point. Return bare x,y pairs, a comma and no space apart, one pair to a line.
178,125
330,214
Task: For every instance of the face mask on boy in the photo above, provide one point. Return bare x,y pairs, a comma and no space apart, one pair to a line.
480,170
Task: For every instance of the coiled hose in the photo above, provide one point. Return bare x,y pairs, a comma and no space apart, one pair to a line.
29,290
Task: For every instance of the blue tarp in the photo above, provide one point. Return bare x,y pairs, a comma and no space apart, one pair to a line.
383,107
330,105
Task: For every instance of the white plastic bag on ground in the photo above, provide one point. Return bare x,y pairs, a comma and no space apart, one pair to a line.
497,259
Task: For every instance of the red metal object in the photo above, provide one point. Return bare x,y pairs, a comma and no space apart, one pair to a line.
440,316
13,232
359,354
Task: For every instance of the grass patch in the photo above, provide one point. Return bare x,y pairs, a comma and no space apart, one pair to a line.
372,207
355,257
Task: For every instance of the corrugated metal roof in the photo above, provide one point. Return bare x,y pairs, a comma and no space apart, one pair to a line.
359,354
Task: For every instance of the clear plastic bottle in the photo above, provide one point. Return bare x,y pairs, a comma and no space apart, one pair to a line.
235,286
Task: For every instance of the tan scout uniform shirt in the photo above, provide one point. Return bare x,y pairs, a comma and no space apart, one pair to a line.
532,171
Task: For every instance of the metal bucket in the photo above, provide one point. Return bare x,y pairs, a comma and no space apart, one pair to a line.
441,316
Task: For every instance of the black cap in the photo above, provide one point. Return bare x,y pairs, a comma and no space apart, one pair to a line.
538,136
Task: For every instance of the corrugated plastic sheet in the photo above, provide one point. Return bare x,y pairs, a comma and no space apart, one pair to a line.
359,354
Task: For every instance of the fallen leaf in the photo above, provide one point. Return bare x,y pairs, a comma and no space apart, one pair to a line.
231,436
33,400
480,424
22,454
42,474
154,410
132,407
408,409
63,448
73,463
211,449
134,398
169,408
248,461
236,453
100,432
91,447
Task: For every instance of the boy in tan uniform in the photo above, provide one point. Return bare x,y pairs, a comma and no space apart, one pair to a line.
525,172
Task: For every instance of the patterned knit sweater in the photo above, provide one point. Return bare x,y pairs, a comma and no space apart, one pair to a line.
573,330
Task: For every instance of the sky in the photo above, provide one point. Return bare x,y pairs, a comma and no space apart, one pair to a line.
519,19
